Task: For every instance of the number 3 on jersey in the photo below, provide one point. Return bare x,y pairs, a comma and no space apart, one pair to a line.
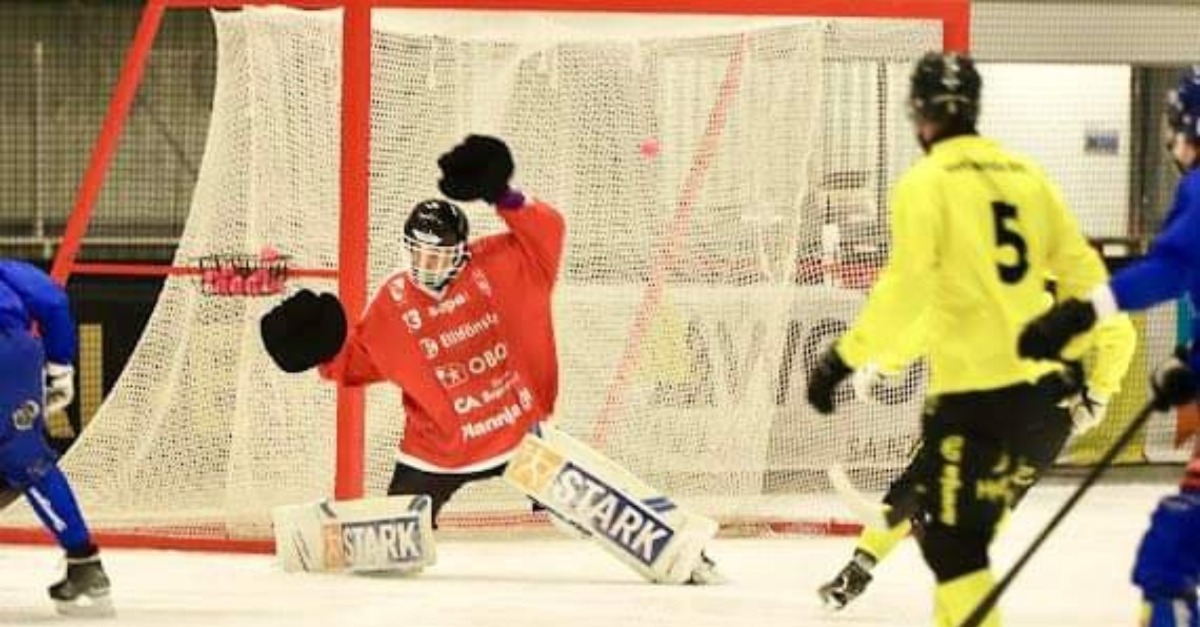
1007,237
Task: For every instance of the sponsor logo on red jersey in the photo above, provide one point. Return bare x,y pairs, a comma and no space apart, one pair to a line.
452,375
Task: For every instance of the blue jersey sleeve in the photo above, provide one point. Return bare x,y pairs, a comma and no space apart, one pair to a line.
47,304
1172,266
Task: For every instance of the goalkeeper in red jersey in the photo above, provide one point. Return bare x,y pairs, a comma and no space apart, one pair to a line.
466,333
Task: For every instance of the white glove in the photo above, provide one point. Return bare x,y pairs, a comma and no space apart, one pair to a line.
865,379
60,387
1087,410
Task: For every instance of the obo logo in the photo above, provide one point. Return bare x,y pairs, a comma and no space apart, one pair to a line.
488,359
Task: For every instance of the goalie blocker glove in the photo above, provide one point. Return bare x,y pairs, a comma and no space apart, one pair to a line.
1046,335
479,168
304,331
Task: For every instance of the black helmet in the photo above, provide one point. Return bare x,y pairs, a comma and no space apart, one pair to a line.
437,222
435,236
945,90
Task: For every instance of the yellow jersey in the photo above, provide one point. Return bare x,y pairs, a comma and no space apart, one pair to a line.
975,230
1106,351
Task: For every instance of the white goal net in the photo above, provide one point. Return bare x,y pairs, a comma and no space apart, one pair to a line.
724,182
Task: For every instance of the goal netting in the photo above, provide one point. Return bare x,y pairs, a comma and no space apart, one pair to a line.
724,180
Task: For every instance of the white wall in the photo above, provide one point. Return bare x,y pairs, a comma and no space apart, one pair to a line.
1048,111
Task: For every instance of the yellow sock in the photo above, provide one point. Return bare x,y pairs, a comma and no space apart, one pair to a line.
1003,522
878,543
954,600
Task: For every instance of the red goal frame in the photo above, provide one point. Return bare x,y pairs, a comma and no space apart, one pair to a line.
351,273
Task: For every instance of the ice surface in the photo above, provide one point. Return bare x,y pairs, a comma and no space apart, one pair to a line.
1080,578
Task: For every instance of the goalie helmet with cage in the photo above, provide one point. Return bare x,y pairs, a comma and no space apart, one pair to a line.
945,90
435,237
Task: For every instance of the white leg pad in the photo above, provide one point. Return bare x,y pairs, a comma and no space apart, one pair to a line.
629,519
387,534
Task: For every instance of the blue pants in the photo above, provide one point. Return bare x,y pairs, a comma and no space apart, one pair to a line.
24,452
27,463
1168,562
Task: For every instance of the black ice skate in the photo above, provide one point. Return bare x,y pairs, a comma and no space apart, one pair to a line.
844,588
84,591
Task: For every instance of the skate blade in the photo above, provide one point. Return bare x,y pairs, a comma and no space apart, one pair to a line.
87,607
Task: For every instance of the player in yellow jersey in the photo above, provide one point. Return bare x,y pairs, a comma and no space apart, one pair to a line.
1108,350
975,230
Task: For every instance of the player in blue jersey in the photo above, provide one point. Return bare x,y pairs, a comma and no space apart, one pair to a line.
37,347
1168,562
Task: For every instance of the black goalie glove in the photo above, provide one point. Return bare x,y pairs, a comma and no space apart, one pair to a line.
824,379
1174,383
1046,335
480,167
304,331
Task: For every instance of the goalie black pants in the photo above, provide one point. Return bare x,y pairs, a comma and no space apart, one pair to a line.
981,452
439,486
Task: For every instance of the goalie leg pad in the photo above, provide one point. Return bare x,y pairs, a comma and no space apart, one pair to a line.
629,519
389,534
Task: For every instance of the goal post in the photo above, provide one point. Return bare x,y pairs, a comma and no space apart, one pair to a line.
771,116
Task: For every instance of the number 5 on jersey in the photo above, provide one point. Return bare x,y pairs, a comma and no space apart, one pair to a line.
1007,237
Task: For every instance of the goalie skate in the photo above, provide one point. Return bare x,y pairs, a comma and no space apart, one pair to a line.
84,590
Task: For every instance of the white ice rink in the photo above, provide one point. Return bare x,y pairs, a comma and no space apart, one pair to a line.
1080,578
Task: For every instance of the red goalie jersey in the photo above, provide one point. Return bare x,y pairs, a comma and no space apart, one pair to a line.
477,367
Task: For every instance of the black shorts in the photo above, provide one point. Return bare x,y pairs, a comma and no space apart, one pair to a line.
1041,441
982,451
439,486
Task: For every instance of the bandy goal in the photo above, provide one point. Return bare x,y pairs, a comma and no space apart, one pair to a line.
723,170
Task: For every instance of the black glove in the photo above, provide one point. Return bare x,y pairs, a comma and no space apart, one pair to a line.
480,167
303,331
1064,384
1046,335
1173,382
824,379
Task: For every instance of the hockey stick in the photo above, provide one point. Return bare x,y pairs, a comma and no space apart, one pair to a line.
977,615
869,512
